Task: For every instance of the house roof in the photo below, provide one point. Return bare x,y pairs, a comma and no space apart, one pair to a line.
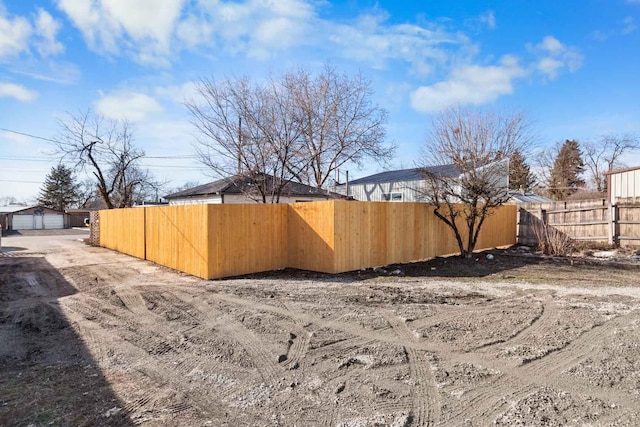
622,170
238,183
414,174
15,209
528,197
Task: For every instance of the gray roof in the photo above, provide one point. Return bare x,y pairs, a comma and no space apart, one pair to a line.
14,208
237,183
414,174
528,197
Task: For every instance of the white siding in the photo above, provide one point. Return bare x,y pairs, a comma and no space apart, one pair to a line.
236,199
23,222
625,185
196,200
412,191
53,221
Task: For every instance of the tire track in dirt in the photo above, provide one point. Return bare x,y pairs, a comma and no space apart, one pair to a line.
13,341
574,352
546,371
545,320
486,401
264,362
166,379
426,404
354,330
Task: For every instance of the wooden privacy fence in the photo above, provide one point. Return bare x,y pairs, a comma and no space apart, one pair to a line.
213,241
583,220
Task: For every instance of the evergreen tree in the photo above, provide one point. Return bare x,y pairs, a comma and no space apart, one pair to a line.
520,176
60,190
564,179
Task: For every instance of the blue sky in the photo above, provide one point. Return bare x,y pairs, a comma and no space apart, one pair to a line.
574,66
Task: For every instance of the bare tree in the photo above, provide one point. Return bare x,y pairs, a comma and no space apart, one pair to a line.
104,149
248,133
296,127
338,121
477,146
604,156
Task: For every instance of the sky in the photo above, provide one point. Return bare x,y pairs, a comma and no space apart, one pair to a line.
573,66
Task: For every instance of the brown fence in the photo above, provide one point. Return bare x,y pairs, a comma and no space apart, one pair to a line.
583,220
212,241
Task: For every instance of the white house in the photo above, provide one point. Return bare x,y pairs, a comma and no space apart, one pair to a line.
241,189
410,185
623,185
404,185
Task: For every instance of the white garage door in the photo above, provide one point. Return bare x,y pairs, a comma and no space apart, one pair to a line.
23,222
53,222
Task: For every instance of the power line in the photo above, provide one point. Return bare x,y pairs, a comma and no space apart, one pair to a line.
29,135
21,182
177,156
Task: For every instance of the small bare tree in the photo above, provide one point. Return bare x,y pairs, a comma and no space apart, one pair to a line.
104,149
477,146
604,156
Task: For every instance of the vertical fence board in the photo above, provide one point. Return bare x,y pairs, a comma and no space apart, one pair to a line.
311,236
247,238
123,230
177,238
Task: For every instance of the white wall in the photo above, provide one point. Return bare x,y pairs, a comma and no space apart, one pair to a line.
624,184
236,199
412,191
196,200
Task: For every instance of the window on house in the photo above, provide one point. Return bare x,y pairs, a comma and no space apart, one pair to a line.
392,197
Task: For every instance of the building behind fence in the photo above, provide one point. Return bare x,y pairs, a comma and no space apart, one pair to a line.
213,241
584,220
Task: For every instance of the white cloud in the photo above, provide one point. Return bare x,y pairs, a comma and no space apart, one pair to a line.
178,93
469,85
14,34
257,29
154,31
144,27
47,28
555,57
629,25
18,34
371,39
18,92
489,19
133,106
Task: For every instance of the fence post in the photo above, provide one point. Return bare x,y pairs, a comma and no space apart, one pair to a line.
614,229
94,233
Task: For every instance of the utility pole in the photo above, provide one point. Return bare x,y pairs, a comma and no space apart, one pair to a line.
239,145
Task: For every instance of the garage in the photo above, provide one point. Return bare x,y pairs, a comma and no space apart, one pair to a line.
37,218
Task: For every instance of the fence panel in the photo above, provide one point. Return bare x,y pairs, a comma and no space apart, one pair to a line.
628,224
177,237
123,230
311,236
246,238
499,228
370,234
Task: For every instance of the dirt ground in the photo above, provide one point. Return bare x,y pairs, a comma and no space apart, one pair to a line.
92,337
